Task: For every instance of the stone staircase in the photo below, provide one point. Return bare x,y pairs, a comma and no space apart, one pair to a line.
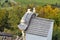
36,27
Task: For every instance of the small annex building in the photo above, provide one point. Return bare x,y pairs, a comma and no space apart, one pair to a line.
36,28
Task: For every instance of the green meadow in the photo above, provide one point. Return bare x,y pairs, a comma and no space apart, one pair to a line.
38,2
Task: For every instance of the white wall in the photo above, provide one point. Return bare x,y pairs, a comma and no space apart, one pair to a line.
50,32
35,37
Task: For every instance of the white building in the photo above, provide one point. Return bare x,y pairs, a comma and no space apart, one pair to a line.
36,28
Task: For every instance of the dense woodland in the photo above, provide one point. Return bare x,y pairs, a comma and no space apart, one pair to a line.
11,14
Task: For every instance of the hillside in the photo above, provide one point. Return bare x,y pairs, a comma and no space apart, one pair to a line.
11,14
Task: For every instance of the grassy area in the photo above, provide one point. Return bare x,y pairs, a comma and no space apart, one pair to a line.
38,2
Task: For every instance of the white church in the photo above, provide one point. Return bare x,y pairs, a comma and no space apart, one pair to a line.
35,28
